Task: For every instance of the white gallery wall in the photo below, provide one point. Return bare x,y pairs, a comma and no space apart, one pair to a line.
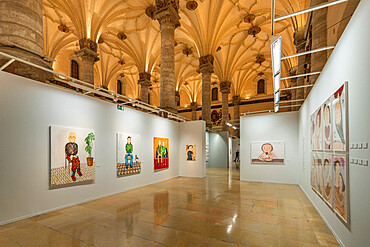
193,133
27,110
350,61
268,128
219,149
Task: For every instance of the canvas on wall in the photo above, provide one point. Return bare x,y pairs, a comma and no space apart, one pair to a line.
328,178
128,154
319,175
72,156
268,152
327,124
340,186
339,107
161,153
318,129
313,172
329,164
190,153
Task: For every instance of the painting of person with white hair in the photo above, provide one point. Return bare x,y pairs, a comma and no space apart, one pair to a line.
339,123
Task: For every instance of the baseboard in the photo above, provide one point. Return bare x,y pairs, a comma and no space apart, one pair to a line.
322,216
266,181
80,202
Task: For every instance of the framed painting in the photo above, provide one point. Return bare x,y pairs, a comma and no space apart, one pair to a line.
327,125
328,178
190,153
339,110
128,158
319,173
161,153
72,156
313,172
318,129
267,152
340,176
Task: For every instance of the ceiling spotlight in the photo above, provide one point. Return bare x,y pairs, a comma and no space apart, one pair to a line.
192,5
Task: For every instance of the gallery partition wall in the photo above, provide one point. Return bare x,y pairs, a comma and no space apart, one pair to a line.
59,148
327,142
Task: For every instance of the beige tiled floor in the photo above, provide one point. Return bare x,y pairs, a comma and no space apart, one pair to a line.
216,211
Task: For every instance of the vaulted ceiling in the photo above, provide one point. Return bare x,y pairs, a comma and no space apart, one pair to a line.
236,32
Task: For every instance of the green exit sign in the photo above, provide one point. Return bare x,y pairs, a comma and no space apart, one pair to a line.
120,107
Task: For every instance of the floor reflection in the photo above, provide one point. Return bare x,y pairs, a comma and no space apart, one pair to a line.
160,206
218,210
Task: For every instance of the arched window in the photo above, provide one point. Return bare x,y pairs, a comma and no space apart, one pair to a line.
119,87
214,93
178,102
75,70
261,86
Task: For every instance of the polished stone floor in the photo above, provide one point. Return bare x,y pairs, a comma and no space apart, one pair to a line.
216,211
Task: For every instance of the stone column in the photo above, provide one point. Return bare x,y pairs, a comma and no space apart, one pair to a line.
177,98
293,93
225,90
300,44
206,68
21,25
168,18
319,38
144,83
236,101
193,106
88,55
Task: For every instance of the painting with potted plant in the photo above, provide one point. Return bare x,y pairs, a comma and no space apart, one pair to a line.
72,156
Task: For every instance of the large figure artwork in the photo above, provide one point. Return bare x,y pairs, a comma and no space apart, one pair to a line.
161,153
190,153
340,185
329,163
267,152
328,178
327,127
339,115
72,156
128,154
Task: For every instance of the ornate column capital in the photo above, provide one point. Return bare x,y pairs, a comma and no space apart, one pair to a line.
193,106
167,12
144,79
225,87
236,99
88,50
206,64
